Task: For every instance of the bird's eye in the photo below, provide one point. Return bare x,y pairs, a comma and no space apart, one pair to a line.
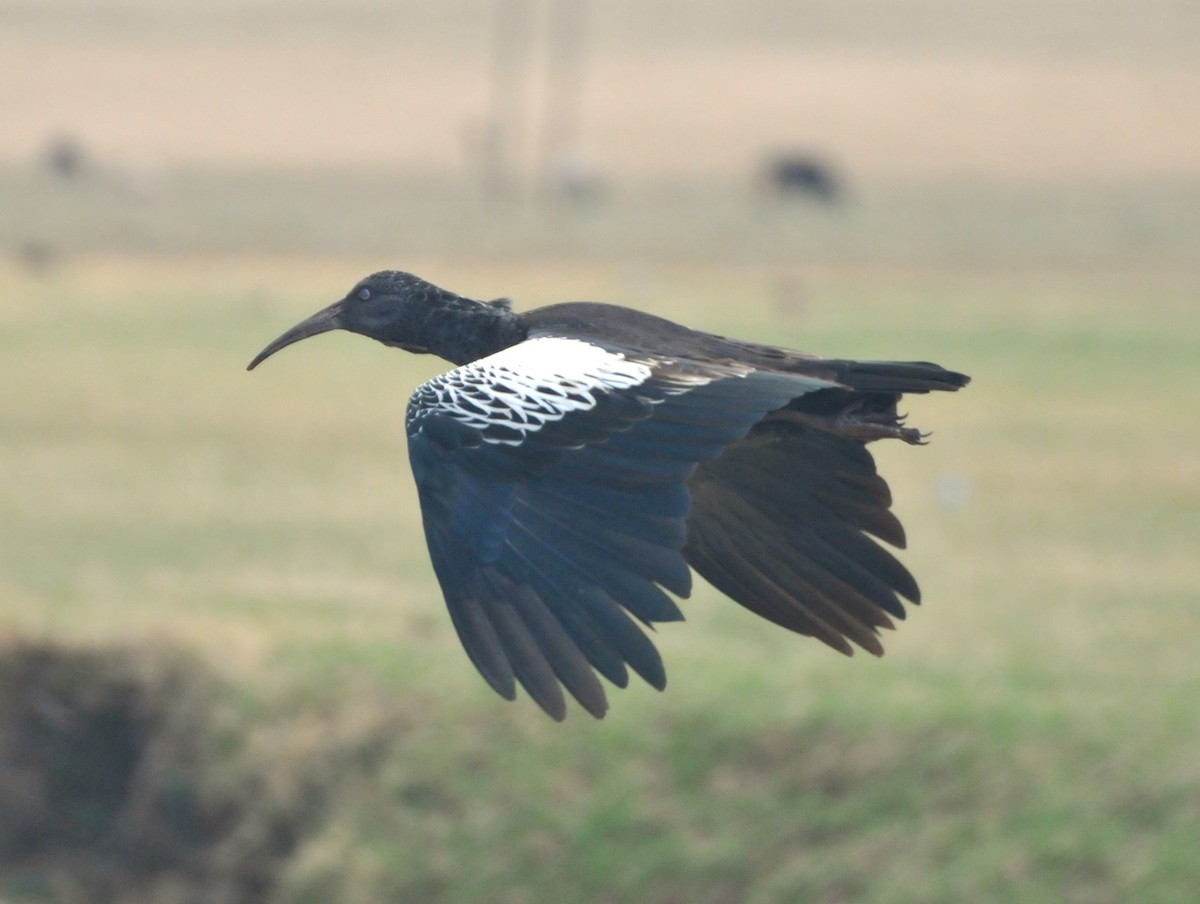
364,294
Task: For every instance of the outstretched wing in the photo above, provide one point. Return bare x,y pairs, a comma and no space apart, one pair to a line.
780,524
552,480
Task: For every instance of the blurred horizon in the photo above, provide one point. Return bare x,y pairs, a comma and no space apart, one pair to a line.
1012,135
1084,95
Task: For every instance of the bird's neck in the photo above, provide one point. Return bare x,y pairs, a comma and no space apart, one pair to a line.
462,330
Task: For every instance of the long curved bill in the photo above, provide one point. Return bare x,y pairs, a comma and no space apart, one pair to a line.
321,322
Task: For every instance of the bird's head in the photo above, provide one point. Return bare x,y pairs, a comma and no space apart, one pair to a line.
390,306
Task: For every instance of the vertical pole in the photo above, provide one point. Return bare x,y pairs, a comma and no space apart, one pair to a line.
564,89
500,143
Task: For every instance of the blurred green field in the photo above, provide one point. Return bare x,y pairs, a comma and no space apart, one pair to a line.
230,567
1031,735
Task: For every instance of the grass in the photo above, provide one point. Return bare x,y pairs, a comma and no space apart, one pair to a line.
229,568
1030,736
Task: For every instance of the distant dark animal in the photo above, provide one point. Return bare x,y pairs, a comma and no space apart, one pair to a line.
803,175
38,257
64,156
582,456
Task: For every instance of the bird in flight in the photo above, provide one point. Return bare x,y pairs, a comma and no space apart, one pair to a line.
581,459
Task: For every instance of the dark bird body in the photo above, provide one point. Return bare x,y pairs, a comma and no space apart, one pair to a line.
583,458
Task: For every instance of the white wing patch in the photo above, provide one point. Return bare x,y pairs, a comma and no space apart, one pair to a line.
518,390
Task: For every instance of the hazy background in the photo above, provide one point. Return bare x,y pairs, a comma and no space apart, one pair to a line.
227,673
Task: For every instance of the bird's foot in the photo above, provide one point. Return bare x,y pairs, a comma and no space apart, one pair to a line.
858,423
867,426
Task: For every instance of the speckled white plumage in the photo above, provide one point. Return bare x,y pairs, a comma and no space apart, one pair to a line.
524,387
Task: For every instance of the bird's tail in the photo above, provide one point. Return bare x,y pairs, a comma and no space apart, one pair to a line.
898,376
